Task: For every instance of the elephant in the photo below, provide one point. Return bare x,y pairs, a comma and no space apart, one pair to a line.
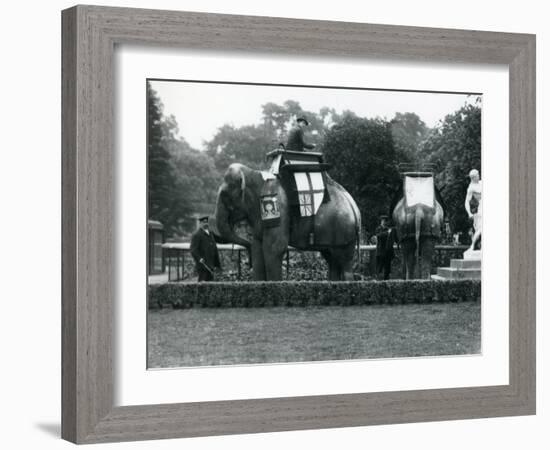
418,229
335,228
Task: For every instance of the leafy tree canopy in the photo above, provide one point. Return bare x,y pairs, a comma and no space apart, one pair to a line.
182,181
454,148
249,144
363,158
408,132
364,154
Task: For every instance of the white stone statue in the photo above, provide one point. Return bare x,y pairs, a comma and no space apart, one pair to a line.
474,192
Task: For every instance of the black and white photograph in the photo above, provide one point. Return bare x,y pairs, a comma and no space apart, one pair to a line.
259,225
294,223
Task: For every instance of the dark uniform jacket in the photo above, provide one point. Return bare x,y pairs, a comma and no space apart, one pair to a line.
385,238
203,246
296,140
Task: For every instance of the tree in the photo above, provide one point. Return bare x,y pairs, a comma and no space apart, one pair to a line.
408,132
363,159
249,144
454,147
276,118
198,180
167,202
281,117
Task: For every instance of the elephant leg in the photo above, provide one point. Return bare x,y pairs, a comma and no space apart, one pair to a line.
340,262
346,272
258,263
409,256
403,258
403,266
274,246
344,257
328,258
273,266
427,249
333,270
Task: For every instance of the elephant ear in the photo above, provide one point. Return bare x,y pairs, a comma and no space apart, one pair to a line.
235,177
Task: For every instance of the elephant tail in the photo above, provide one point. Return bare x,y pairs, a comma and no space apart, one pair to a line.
418,217
357,215
358,234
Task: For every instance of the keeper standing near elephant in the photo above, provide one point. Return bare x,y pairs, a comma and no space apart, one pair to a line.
296,137
385,238
205,251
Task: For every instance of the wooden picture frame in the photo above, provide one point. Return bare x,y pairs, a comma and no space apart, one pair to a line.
90,34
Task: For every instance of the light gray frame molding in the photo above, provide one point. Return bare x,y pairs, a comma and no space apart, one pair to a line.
89,36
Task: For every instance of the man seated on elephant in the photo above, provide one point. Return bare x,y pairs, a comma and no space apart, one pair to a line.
296,137
204,251
385,238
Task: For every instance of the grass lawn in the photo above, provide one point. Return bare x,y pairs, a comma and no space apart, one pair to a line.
213,336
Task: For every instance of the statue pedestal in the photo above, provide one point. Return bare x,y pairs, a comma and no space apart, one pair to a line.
467,268
472,254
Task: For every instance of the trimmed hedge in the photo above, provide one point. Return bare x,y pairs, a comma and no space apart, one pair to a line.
313,293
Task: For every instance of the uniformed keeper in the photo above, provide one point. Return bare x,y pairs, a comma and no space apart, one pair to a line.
205,251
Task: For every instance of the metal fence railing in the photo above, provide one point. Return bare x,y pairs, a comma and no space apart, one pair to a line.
178,262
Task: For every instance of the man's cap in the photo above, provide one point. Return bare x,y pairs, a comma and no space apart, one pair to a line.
302,119
383,216
203,219
473,172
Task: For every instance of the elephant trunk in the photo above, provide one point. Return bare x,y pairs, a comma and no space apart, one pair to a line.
224,226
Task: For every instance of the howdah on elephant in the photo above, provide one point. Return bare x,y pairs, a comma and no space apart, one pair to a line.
418,213
334,230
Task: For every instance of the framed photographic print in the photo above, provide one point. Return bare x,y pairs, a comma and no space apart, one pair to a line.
277,224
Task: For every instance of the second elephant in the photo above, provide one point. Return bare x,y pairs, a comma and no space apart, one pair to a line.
336,227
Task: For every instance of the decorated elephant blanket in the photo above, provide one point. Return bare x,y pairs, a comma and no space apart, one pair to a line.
303,177
419,210
419,190
310,187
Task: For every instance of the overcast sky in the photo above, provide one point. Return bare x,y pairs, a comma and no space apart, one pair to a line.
201,108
